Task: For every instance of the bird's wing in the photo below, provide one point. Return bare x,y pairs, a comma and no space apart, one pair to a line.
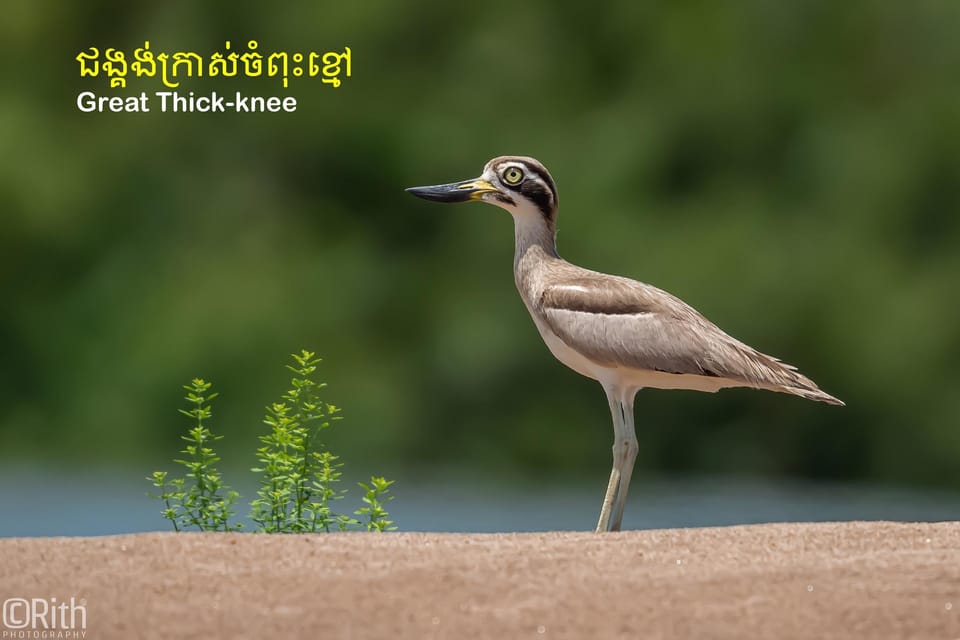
621,322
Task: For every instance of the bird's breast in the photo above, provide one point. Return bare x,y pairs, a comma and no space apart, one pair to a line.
562,351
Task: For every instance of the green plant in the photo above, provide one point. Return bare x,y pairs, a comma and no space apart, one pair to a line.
376,496
199,499
299,475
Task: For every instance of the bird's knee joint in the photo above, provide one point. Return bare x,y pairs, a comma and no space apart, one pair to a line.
625,449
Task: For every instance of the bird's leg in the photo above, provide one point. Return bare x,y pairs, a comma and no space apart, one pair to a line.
628,439
615,485
609,497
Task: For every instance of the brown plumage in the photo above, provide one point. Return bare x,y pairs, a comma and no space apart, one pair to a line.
643,327
625,334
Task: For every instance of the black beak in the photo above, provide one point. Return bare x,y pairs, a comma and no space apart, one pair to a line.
455,191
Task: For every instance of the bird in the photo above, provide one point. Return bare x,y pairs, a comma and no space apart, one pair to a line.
625,334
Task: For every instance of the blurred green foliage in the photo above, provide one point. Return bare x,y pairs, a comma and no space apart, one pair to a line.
790,169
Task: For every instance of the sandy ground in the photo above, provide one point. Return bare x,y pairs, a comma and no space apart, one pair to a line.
843,580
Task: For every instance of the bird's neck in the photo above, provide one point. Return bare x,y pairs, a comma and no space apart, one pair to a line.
533,235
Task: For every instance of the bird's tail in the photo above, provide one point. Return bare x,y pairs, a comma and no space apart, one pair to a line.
811,392
779,376
789,380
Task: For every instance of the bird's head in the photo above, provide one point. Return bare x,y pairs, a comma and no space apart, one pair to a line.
519,184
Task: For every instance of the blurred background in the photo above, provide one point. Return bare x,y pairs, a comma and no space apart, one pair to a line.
792,170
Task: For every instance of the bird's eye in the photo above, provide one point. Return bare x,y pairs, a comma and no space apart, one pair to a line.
512,175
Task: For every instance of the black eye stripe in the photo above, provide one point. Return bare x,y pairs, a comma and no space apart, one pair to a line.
539,194
545,177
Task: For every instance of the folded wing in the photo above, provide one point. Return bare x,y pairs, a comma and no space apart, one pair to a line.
621,322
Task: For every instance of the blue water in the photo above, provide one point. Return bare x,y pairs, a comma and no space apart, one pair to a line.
34,502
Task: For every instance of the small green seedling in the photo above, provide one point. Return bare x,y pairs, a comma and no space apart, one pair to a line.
375,498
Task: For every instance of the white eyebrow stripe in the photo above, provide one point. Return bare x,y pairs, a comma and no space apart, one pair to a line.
526,169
